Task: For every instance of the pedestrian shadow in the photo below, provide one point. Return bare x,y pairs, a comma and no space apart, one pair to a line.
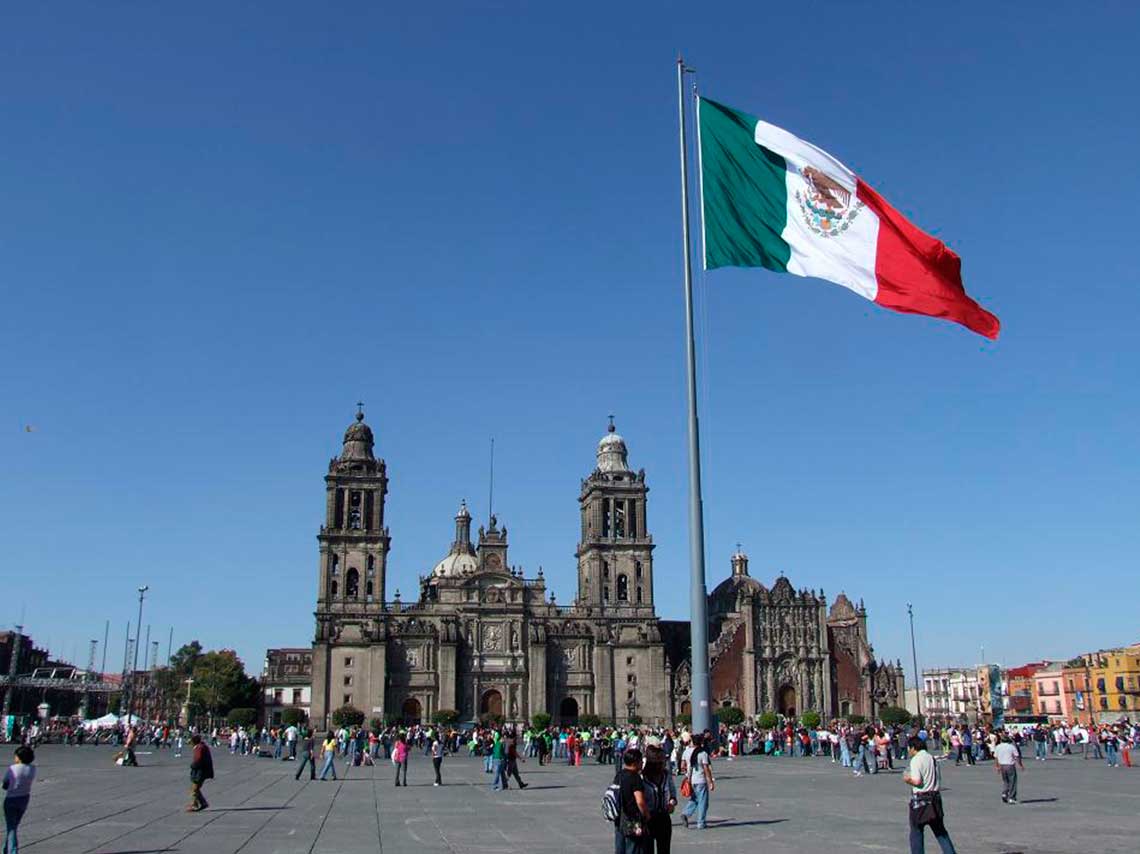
1039,801
145,851
533,786
732,823
249,809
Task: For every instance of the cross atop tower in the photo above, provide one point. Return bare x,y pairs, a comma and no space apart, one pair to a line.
611,428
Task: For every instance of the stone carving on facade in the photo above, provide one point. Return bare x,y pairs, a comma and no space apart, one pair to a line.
493,637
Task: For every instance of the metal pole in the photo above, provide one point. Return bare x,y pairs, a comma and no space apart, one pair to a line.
698,603
914,660
146,655
106,637
135,665
169,645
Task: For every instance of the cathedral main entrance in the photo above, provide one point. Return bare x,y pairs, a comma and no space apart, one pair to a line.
787,701
412,711
491,703
568,711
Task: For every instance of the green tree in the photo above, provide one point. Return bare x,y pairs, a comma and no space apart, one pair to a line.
856,719
490,719
730,715
186,657
221,684
685,720
292,717
811,720
540,720
635,720
768,720
347,716
589,721
241,717
445,717
894,715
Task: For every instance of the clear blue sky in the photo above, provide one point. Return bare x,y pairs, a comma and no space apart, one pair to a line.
220,228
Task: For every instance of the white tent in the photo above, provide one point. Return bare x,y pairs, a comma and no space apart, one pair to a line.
104,722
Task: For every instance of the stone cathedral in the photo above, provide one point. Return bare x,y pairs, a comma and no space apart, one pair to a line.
482,638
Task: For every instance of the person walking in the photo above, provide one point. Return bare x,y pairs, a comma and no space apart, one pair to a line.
661,793
925,810
307,756
1007,759
437,757
702,782
400,759
329,749
498,761
631,836
18,781
513,762
201,770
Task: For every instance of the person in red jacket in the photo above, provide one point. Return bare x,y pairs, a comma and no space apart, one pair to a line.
201,770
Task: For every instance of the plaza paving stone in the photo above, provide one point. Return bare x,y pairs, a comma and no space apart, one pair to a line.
84,804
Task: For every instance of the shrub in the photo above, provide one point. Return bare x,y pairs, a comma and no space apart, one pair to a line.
292,717
347,716
375,724
730,715
685,720
768,720
488,719
540,720
811,720
241,717
444,717
894,715
856,719
589,721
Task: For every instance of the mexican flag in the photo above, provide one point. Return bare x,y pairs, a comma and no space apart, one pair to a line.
770,199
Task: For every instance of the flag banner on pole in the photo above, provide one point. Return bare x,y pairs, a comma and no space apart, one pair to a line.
770,199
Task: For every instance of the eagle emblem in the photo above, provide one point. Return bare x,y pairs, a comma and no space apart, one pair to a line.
828,208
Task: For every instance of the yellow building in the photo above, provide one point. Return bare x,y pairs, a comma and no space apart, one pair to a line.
1115,678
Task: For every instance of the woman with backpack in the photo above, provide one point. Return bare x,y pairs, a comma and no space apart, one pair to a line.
661,793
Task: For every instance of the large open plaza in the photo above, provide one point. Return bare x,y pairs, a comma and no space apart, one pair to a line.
85,804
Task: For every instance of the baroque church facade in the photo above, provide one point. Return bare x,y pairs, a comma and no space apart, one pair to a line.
482,638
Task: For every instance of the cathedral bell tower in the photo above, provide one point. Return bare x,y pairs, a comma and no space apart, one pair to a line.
354,541
615,554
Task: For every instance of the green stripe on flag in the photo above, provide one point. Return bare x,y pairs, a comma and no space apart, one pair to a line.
744,192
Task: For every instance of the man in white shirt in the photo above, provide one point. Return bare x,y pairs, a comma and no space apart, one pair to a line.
926,799
1006,760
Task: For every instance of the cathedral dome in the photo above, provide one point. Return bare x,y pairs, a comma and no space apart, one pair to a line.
612,453
358,440
455,564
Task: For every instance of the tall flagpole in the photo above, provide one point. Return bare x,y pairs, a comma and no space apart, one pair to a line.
698,603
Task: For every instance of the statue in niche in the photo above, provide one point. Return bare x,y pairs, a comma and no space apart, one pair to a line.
514,637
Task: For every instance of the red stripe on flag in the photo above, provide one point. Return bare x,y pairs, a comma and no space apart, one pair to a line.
920,274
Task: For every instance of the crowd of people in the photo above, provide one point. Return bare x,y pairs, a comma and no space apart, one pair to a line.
656,768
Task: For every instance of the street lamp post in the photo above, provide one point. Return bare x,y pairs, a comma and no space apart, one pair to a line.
914,661
135,664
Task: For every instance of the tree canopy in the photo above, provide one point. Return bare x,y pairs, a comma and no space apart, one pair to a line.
730,715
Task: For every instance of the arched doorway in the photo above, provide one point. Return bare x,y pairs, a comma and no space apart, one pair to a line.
412,711
491,703
787,701
568,711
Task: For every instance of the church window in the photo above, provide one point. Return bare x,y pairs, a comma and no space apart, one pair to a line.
347,681
368,511
606,593
638,569
371,565
335,587
368,589
631,523
334,565
348,699
623,588
606,570
338,512
351,583
639,594
629,661
348,661
354,516
619,518
605,518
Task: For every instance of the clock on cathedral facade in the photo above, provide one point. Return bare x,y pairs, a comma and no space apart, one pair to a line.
483,639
